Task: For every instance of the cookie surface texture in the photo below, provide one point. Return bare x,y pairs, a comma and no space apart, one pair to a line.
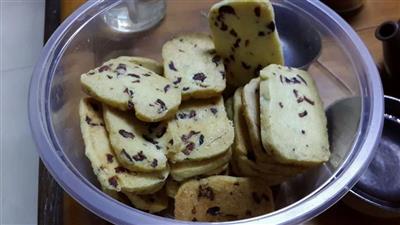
110,173
246,37
135,144
293,121
200,130
191,63
128,86
216,198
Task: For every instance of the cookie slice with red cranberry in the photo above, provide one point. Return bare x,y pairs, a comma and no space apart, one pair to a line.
244,161
128,86
245,36
292,119
251,114
191,64
138,146
110,173
216,198
200,130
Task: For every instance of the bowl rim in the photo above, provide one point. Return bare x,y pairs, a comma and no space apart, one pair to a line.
315,203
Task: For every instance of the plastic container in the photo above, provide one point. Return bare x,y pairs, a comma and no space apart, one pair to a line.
343,70
377,193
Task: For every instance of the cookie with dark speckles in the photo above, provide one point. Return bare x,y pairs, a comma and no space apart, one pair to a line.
251,114
216,198
245,36
292,119
200,130
111,174
128,86
244,161
138,146
191,63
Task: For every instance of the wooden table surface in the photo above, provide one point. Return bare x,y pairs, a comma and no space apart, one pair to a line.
372,14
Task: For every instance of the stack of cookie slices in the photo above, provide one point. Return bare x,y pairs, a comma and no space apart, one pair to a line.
161,136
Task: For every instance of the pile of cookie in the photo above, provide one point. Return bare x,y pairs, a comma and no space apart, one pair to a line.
161,136
280,125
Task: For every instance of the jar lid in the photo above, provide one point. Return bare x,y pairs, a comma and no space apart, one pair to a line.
377,193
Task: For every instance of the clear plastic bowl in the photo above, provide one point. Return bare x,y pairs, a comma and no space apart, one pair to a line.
344,71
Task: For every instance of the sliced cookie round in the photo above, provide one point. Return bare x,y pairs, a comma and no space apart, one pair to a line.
110,173
185,170
191,64
293,121
128,86
251,113
263,162
245,36
244,161
216,198
200,130
137,146
242,145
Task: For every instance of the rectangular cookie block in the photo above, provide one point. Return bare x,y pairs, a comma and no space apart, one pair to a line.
200,130
293,121
222,198
138,146
244,159
128,86
245,36
191,63
110,173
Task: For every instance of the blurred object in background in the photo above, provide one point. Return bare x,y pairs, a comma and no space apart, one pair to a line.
135,15
69,6
389,34
345,7
127,17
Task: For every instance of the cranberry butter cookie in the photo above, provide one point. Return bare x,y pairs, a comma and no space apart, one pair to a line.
191,64
216,198
293,121
110,173
245,36
128,86
200,130
137,145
